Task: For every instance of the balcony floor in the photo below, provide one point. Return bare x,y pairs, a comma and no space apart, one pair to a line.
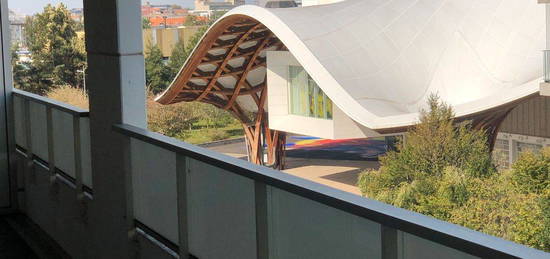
11,245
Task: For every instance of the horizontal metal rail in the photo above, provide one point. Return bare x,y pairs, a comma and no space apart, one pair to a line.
52,103
59,174
444,233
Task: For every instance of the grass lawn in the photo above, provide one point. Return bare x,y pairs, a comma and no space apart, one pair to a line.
205,135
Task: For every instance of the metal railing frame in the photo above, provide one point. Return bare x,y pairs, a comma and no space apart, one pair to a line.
391,218
56,174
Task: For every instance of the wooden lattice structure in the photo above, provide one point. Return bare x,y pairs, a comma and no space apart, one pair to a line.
228,70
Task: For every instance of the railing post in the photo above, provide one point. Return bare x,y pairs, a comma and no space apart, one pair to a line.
128,182
54,187
389,242
182,169
77,156
29,166
51,148
260,200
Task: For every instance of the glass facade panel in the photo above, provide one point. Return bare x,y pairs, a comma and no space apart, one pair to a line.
501,153
305,96
525,147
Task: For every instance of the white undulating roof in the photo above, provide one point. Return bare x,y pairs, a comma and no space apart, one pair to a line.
379,60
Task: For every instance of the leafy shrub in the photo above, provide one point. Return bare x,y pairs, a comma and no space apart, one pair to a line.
171,120
191,122
532,171
434,144
70,95
497,208
445,171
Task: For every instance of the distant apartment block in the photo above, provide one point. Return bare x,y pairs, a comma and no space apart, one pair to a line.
164,15
167,38
17,28
77,14
207,7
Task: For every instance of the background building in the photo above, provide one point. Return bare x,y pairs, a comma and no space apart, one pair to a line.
17,22
77,14
98,184
167,38
348,80
164,15
207,6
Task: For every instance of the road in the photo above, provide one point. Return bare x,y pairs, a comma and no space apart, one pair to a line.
338,172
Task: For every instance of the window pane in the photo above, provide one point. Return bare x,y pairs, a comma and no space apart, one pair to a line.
311,100
524,147
298,90
328,106
305,96
319,111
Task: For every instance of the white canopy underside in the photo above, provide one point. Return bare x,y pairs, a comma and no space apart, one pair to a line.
379,60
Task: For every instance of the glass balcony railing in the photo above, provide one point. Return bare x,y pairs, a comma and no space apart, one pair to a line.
56,136
546,64
196,203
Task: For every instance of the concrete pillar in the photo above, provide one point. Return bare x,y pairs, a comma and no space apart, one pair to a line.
8,183
116,82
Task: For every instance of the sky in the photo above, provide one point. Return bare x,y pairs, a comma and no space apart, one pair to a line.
33,6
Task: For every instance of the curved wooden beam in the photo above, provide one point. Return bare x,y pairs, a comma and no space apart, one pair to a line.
246,70
227,58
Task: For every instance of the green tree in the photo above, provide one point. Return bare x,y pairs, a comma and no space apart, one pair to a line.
532,171
434,144
157,74
177,59
55,49
181,52
146,23
190,20
445,171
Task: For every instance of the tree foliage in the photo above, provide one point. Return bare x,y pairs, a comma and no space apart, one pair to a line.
182,51
157,74
444,170
532,171
145,23
434,144
56,51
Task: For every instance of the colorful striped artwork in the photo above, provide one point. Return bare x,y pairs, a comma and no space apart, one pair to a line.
342,149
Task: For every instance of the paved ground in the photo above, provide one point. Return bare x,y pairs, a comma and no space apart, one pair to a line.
337,173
